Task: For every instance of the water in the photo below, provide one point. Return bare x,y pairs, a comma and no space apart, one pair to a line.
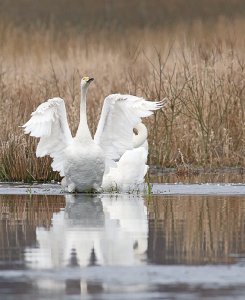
169,246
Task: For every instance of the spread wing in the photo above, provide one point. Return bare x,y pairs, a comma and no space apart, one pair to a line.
120,114
49,123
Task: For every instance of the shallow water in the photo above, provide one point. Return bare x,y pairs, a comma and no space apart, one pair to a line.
122,246
224,176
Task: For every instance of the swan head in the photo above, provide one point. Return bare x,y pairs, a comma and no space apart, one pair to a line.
85,81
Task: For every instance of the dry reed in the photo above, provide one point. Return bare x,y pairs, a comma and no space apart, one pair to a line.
200,68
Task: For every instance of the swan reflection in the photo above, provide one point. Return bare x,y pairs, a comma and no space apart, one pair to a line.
93,230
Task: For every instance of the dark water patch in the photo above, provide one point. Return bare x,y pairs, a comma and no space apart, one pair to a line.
195,175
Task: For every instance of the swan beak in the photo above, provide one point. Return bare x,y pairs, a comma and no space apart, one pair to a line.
90,80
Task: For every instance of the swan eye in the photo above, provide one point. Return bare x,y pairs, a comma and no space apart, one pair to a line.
135,131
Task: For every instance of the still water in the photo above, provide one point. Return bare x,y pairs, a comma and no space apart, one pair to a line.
122,247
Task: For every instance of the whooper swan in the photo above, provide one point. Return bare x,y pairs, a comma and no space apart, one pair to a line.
115,158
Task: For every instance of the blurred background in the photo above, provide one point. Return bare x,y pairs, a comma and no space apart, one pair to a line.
192,52
116,14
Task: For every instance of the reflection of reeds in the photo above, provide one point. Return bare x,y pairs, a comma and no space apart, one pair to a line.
19,217
34,209
182,230
201,71
193,230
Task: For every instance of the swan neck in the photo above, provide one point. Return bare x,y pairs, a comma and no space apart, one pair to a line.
141,137
83,132
83,105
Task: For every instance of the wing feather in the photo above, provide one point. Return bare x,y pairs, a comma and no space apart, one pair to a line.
49,123
120,114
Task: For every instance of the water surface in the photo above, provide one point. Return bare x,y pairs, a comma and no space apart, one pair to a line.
122,246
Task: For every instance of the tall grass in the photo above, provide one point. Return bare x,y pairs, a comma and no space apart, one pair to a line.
199,67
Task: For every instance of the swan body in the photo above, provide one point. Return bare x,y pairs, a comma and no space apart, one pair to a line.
115,158
84,168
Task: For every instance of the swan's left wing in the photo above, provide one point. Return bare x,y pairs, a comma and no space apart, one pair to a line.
120,114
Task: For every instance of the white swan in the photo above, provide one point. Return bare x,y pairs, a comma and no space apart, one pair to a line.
116,158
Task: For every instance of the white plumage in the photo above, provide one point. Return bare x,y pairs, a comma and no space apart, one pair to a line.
115,158
120,114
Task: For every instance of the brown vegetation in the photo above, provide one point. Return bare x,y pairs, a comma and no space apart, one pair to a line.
199,67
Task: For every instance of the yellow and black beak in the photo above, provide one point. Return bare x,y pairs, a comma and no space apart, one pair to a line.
90,79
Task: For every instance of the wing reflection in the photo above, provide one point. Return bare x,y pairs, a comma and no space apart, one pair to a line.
93,230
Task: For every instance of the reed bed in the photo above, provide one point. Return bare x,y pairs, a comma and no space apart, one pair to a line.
199,67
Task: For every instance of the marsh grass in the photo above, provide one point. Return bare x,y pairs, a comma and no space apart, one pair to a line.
199,68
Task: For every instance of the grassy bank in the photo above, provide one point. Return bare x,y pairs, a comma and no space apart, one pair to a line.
199,67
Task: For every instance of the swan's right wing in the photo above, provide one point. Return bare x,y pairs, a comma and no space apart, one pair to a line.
49,123
120,115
